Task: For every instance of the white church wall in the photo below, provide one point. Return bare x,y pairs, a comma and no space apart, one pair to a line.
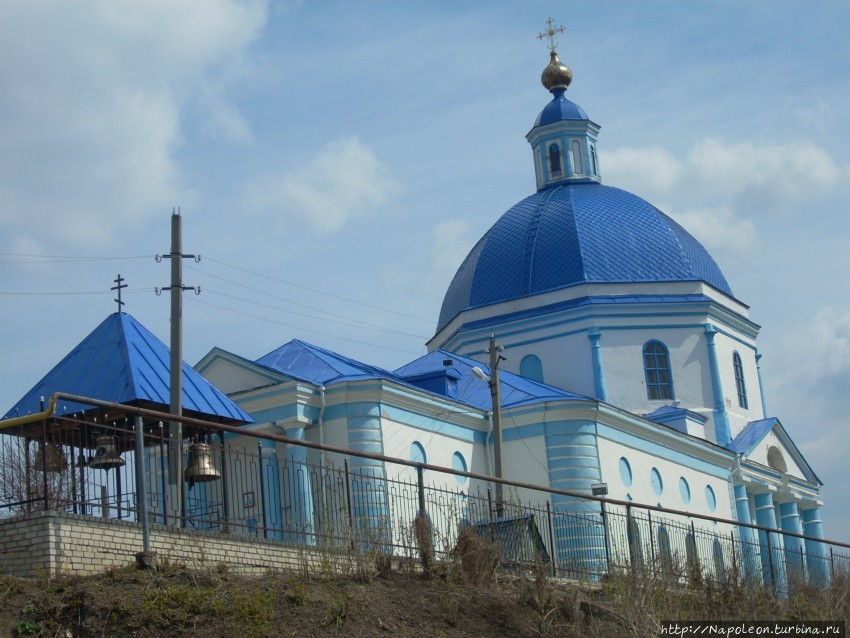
687,484
727,345
625,378
771,452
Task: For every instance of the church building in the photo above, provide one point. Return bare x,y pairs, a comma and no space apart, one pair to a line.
624,362
627,360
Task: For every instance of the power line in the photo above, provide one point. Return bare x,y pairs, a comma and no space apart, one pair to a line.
289,325
58,259
320,292
72,292
352,323
302,305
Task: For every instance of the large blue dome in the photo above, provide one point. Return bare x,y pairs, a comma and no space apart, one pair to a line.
574,234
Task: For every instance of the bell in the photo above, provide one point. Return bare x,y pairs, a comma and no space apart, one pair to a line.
200,468
50,458
106,455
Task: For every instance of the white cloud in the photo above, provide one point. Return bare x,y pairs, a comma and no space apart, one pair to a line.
344,181
452,241
719,229
96,95
719,189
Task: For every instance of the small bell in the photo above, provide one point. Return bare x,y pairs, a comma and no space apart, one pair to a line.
200,468
106,455
50,458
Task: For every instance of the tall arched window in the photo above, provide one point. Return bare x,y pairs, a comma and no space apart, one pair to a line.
531,367
578,165
554,160
739,380
656,365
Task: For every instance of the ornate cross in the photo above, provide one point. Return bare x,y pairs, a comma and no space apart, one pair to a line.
550,33
118,286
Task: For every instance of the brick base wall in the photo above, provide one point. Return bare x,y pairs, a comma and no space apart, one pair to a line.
57,543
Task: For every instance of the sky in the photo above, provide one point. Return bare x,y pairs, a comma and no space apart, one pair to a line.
334,162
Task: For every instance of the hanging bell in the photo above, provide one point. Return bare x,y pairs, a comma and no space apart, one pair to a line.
50,458
199,467
106,455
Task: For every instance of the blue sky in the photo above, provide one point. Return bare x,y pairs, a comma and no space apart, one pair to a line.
335,161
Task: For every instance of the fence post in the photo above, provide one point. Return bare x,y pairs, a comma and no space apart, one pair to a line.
28,473
420,486
630,537
651,537
605,536
224,486
44,454
831,565
348,502
141,496
554,556
770,561
262,486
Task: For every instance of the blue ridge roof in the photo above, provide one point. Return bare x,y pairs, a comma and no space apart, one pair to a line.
572,234
515,390
752,433
755,431
306,362
121,361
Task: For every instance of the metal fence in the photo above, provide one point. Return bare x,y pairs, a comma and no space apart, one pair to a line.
246,484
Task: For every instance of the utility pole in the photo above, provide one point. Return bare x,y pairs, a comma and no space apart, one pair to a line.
175,428
496,357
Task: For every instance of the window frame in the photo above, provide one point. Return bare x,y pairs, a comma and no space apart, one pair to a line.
740,382
656,353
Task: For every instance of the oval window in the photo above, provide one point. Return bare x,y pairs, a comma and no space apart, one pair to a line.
657,483
625,471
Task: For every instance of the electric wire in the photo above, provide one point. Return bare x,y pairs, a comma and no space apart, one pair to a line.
349,320
58,259
289,325
73,292
350,324
320,292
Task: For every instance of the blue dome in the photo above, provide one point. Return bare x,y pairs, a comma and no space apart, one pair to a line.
560,108
574,234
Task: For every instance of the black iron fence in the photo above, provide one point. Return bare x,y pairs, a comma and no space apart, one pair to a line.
242,483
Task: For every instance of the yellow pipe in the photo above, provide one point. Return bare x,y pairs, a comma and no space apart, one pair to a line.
30,418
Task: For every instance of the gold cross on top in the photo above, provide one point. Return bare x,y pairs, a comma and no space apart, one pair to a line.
550,33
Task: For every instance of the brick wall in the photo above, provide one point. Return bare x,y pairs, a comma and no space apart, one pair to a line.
53,543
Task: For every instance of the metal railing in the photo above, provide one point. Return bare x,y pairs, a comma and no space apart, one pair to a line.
247,484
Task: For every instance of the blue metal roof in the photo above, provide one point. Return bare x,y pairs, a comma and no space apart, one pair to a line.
572,234
515,390
560,108
316,365
752,433
306,362
121,361
755,431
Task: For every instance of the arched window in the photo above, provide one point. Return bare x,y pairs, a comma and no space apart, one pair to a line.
578,165
531,367
656,365
739,380
593,160
554,160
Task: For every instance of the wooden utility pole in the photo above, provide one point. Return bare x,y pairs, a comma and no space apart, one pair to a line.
494,351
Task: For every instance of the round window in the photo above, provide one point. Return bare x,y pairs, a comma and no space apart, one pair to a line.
625,471
684,490
657,483
710,498
459,465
